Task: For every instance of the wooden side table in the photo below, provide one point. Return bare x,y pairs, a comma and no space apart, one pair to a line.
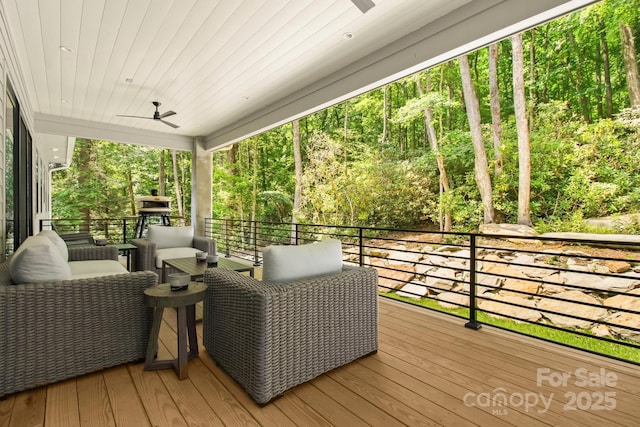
162,296
127,249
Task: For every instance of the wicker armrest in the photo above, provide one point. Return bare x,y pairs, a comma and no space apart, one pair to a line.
254,329
205,244
145,254
85,253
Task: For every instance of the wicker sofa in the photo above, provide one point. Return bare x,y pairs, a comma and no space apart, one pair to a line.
60,329
272,336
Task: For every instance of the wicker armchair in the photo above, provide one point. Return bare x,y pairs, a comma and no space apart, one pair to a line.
270,337
172,242
62,329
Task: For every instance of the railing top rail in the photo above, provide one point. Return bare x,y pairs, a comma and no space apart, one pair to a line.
577,240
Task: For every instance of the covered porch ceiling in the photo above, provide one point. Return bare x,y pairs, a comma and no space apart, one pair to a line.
230,69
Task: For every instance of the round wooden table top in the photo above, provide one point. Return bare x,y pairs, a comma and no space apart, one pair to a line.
162,296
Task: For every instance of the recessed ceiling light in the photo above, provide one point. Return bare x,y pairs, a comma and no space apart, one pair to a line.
66,49
347,36
64,101
55,149
56,157
244,98
128,80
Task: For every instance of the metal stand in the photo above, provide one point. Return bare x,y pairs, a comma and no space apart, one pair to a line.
143,221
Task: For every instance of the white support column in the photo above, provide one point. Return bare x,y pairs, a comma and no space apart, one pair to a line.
200,185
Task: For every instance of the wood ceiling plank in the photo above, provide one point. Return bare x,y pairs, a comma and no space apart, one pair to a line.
294,60
182,50
147,47
244,71
50,30
87,49
151,14
110,26
70,20
268,32
27,11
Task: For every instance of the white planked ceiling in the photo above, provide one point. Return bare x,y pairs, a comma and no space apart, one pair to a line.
229,68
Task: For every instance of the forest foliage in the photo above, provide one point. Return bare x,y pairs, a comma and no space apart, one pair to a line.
378,159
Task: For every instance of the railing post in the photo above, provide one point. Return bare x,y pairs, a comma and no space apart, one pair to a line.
472,323
256,261
124,230
226,238
361,247
297,234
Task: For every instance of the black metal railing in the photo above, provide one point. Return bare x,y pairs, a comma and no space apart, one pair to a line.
114,230
582,293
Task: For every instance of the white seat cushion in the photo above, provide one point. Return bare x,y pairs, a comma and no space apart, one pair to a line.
95,268
170,253
282,263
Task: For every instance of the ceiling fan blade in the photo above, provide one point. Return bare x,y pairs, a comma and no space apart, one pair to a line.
167,114
363,5
136,117
156,116
169,123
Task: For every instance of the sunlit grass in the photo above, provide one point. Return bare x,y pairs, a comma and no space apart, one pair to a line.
595,345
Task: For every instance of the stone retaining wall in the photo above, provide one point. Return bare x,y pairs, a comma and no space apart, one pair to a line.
535,287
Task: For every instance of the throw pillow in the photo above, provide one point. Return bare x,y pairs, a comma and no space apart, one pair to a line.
37,260
170,237
57,242
282,263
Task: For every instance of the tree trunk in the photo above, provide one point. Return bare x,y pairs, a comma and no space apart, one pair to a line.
297,194
176,184
579,81
532,76
630,64
496,121
132,199
433,142
254,192
383,138
607,71
86,170
598,91
483,180
232,156
524,153
161,174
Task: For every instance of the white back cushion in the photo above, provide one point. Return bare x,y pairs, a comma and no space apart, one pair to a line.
282,263
170,237
57,242
37,260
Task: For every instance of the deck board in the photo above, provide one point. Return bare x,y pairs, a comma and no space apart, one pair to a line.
426,364
93,401
62,397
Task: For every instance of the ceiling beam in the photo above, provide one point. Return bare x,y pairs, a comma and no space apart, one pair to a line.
104,131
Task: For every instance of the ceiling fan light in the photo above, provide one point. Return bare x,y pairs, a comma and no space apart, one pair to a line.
363,5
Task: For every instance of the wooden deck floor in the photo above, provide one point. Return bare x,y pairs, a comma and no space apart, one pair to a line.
429,370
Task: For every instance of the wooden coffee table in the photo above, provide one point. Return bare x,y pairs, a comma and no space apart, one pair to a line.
197,268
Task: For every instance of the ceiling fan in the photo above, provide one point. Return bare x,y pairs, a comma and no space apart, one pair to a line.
156,116
363,5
